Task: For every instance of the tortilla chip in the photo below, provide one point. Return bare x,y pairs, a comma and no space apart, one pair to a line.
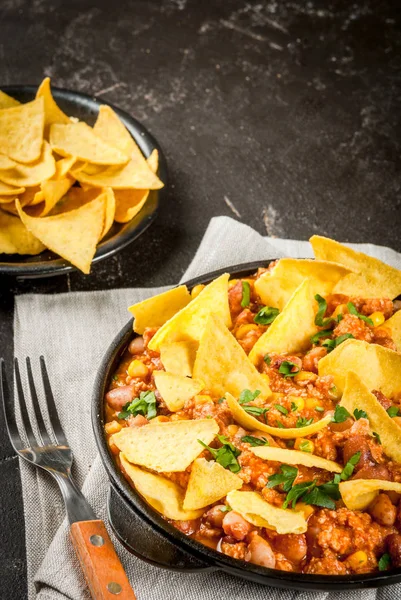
153,160
75,198
372,278
15,238
53,114
254,509
33,174
7,102
155,311
252,424
175,389
357,494
135,174
378,368
51,191
79,140
295,457
110,209
112,130
222,363
394,325
179,357
190,322
291,331
21,131
276,287
162,494
357,395
73,235
166,447
209,482
9,190
129,203
6,162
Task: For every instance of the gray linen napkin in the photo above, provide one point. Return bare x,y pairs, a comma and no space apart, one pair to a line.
72,331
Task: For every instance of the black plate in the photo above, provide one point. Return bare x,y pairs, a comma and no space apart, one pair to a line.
158,542
120,235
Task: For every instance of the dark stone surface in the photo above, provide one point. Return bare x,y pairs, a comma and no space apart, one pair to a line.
287,111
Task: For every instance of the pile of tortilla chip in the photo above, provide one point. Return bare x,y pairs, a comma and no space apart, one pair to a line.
64,183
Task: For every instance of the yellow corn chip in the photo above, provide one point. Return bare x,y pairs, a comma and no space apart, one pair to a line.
10,191
79,140
357,395
52,190
15,238
291,331
33,174
166,447
209,482
83,225
295,457
257,511
251,423
129,203
53,114
190,322
162,494
276,287
135,174
394,325
7,102
155,311
357,494
372,278
378,368
175,389
153,160
112,130
6,162
110,205
179,357
21,131
222,363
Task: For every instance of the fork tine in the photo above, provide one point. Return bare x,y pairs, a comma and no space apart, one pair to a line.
51,406
26,424
36,406
8,410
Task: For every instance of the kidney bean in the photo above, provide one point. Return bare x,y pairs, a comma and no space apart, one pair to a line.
259,552
340,427
373,472
214,517
137,345
293,546
118,397
358,443
393,542
235,526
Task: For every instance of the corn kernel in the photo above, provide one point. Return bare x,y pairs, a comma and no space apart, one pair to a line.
304,445
299,402
340,310
161,419
305,376
197,290
232,283
178,417
357,560
311,403
243,330
307,509
203,399
232,429
377,318
112,427
136,368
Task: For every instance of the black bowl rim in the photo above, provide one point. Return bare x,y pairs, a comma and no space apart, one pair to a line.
211,557
144,139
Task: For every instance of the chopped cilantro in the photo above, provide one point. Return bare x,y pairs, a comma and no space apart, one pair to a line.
144,405
352,311
319,408
255,410
360,414
226,456
266,315
286,477
281,409
377,437
267,359
115,377
246,294
332,344
287,369
325,333
393,411
340,414
225,508
254,441
294,406
220,400
305,446
247,396
320,321
384,562
350,466
310,493
303,422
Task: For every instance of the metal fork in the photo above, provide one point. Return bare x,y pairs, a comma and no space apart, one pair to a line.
50,451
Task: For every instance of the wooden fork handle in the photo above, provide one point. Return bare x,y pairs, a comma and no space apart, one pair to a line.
103,570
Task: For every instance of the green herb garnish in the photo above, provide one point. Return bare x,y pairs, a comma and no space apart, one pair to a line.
377,437
340,414
247,396
352,311
266,315
226,456
384,562
319,408
350,466
303,422
267,359
360,414
325,333
286,476
322,307
254,441
332,344
393,411
246,294
281,409
286,369
225,509
144,405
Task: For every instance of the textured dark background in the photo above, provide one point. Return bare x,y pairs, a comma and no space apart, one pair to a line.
283,114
